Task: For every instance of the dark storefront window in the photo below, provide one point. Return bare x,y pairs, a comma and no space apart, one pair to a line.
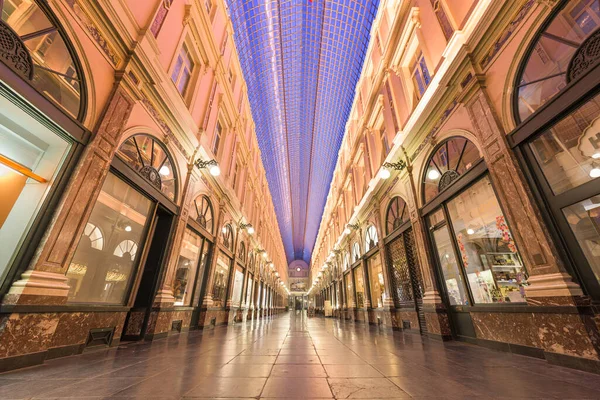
187,265
219,289
110,247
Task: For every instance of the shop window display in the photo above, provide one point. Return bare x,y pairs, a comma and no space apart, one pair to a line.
376,283
103,274
584,220
487,251
219,289
238,282
249,290
360,286
349,290
569,152
187,264
447,260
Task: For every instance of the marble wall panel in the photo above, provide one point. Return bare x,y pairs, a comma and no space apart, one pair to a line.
26,333
73,328
568,334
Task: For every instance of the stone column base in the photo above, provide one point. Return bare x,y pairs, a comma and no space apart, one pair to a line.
37,288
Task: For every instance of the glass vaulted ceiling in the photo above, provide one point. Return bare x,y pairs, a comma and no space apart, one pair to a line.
301,60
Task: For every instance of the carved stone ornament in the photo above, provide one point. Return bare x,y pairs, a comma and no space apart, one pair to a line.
586,56
14,53
447,179
152,175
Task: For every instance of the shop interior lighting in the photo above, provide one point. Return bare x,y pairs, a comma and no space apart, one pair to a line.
21,169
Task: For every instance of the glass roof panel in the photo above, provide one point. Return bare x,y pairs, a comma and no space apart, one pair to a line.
301,61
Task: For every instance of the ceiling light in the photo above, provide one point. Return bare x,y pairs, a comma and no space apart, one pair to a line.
433,175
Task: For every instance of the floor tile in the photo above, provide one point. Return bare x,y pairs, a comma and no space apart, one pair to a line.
301,388
365,388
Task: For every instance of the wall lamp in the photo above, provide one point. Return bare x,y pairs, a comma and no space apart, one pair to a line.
351,227
397,166
248,227
212,165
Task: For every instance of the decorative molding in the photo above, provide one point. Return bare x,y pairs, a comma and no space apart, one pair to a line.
165,127
506,34
14,53
434,130
94,32
586,56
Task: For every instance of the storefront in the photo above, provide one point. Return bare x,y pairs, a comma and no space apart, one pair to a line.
478,262
193,264
374,268
406,282
120,254
222,268
42,106
556,106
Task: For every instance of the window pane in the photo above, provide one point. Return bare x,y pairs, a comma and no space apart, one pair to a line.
177,70
584,220
249,290
349,290
489,255
376,283
452,277
219,289
103,276
187,265
569,152
237,287
360,286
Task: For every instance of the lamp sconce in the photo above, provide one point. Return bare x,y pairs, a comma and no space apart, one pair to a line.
397,166
212,165
351,227
248,227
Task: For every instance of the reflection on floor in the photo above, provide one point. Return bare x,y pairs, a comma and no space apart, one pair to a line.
294,356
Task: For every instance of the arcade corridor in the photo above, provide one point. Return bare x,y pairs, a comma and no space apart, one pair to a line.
295,356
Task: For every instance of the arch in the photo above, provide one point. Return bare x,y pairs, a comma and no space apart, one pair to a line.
127,246
94,234
202,212
242,252
227,236
43,56
448,161
396,214
151,159
371,238
346,261
547,65
355,252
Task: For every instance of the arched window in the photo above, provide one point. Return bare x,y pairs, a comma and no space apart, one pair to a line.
94,234
151,159
202,212
251,261
355,251
242,252
371,238
556,55
36,47
397,214
451,158
227,235
127,248
346,261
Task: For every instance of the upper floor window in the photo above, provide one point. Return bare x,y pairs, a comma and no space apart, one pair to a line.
385,143
420,74
217,138
548,65
443,19
236,171
182,73
160,17
38,50
208,5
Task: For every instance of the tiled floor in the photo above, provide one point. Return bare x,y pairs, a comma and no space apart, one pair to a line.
293,356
